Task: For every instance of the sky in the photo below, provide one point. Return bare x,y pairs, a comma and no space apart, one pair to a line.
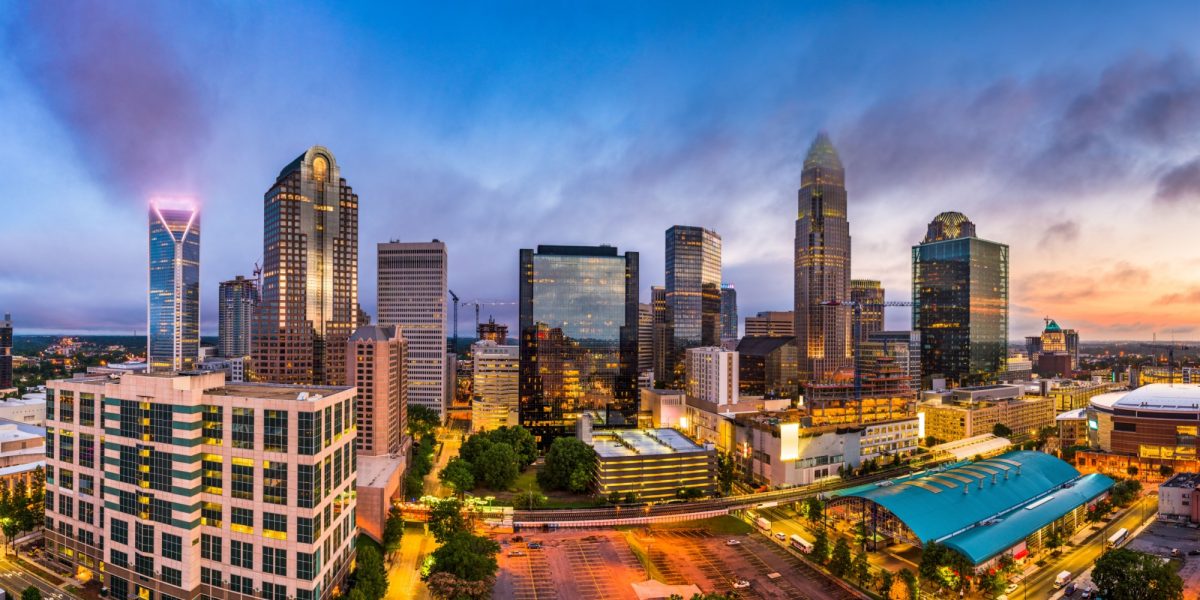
1069,131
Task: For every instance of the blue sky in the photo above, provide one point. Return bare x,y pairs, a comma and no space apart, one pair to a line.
1070,132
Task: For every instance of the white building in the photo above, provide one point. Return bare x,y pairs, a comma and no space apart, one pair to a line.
495,385
30,409
712,375
412,295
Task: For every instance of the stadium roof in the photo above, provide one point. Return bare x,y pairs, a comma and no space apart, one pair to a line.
1162,397
1010,491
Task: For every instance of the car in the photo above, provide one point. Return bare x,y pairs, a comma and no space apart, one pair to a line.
1174,551
741,584
516,553
1012,587
779,535
1194,552
1087,593
534,545
1070,589
732,542
517,538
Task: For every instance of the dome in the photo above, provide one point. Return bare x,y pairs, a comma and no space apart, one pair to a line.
948,226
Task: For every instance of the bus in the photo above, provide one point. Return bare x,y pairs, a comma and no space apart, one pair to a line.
763,524
1115,539
801,544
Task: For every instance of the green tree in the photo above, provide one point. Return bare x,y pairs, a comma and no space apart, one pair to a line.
1001,430
529,499
474,447
909,579
569,466
839,563
820,551
1132,470
370,574
498,467
459,475
726,473
422,421
1125,492
1098,510
31,593
521,440
1124,574
860,569
860,534
446,518
1054,540
885,582
931,441
1165,470
446,586
467,557
814,509
393,532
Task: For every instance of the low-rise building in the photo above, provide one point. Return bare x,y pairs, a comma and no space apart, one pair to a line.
653,464
968,412
1072,428
29,409
1179,498
1149,432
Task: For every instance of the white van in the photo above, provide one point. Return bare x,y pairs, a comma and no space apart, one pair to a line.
1062,579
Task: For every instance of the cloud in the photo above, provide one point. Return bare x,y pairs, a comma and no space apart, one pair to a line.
1062,232
135,113
1180,184
1189,297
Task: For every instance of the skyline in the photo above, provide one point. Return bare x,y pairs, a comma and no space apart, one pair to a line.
609,130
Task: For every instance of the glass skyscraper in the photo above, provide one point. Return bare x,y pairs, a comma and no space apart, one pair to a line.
173,310
960,302
868,295
729,313
693,293
578,323
236,302
822,267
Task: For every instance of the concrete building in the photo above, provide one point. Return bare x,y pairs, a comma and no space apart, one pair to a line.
868,294
412,296
773,323
236,302
662,332
904,347
491,330
21,443
6,356
729,312
1069,394
968,412
495,373
1072,427
768,366
693,286
1179,498
173,307
184,486
712,375
1059,346
645,339
309,303
27,409
652,464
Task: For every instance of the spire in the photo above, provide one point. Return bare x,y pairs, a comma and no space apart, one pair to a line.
822,154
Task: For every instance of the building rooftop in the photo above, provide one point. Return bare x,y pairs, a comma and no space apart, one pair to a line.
12,431
616,443
373,333
1161,397
24,401
761,345
1078,414
276,391
1188,481
375,471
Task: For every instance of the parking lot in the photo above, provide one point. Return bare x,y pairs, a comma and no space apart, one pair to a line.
594,565
1162,537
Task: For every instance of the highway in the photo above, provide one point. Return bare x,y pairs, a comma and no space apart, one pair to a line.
15,579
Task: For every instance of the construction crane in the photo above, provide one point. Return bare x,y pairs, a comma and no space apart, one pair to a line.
454,297
478,303
858,308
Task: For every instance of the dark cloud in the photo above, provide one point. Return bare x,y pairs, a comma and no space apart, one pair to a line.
137,117
1180,184
1189,297
1062,232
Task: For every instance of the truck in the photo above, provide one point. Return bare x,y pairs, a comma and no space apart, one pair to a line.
763,524
1062,579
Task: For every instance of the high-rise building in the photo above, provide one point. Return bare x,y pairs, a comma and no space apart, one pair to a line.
822,266
173,310
579,316
767,366
662,333
496,332
693,292
1061,346
645,338
712,375
376,365
182,486
772,323
868,295
904,346
309,292
960,302
412,296
729,313
236,301
495,369
6,364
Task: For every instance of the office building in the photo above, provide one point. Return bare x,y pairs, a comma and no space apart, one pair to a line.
822,266
496,391
30,409
661,341
1055,353
767,366
236,302
173,309
960,302
663,460
493,331
712,375
968,412
868,296
772,323
6,357
412,296
693,292
309,299
904,346
1179,498
185,486
729,312
645,339
579,315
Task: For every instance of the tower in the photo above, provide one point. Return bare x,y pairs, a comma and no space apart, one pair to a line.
173,307
236,300
412,296
693,278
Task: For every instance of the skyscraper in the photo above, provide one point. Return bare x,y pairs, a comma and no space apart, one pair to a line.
495,370
310,273
412,296
579,316
236,301
173,310
375,357
868,294
960,302
771,323
6,372
662,332
693,264
729,313
822,268
645,359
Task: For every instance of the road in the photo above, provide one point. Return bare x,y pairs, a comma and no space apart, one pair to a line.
15,579
451,440
404,574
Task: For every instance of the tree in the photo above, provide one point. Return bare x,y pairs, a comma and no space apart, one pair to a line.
569,466
446,519
885,582
860,534
458,474
521,440
529,499
467,557
1098,510
1165,470
1132,470
839,563
820,551
422,421
393,532
370,575
1124,574
814,509
1001,430
31,593
726,473
899,590
860,569
447,586
931,441
1125,491
909,579
498,467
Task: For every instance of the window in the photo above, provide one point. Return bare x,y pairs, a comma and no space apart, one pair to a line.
162,421
241,554
66,407
158,466
304,530
131,420
172,546
66,479
274,561
213,474
143,537
241,585
275,526
127,464
127,502
275,431
87,450
118,558
66,447
211,514
306,566
214,425
210,577
243,480
66,506
210,547
120,587
275,482
271,591
144,565
87,409
243,428
328,426
49,405
87,512
242,519
172,576
310,426
50,437
160,511
305,486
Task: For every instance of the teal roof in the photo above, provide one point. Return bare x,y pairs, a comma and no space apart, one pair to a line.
1053,326
934,506
981,543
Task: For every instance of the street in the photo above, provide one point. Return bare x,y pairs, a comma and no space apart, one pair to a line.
450,440
15,579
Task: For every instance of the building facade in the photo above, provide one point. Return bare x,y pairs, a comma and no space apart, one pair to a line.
491,330
653,464
579,316
309,300
712,375
645,356
729,312
412,296
772,323
767,366
6,357
496,393
236,302
173,309
184,487
693,288
868,295
661,341
960,302
376,365
959,418
822,266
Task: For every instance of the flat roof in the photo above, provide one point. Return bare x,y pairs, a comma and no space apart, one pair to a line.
616,443
374,471
1179,397
1078,414
275,391
1183,480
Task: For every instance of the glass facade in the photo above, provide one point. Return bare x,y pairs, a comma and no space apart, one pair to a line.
578,316
960,297
173,328
236,302
693,276
729,313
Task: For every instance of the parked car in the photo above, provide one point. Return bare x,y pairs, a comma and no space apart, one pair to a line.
1174,551
1087,593
1012,587
517,553
1070,591
533,545
1194,552
779,535
741,584
732,542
